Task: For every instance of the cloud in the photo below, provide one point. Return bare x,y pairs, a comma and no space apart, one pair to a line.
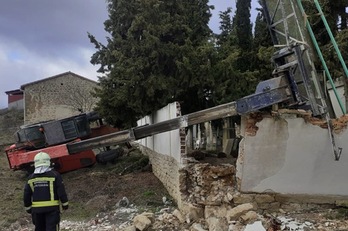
43,38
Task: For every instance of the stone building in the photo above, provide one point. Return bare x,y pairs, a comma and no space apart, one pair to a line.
57,97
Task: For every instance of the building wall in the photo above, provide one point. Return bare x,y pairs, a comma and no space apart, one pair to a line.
15,99
166,169
167,143
165,150
57,97
17,104
289,154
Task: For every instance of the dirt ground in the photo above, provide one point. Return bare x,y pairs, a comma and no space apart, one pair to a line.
97,190
90,190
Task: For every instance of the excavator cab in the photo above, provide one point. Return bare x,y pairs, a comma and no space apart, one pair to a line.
50,133
30,138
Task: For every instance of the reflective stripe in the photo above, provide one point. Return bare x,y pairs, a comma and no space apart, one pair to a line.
27,208
45,203
31,185
65,204
50,181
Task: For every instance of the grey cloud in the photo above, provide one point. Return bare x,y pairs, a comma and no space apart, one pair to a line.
47,25
42,38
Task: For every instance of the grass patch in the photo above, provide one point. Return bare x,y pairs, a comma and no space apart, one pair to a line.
78,213
340,213
148,193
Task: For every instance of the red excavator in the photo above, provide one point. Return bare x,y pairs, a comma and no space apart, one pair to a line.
53,136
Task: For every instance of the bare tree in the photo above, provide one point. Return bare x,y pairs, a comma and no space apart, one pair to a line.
80,98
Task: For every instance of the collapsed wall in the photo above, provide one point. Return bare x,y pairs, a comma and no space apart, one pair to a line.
285,162
292,154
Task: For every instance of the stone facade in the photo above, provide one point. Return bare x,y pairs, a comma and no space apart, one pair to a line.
57,97
166,169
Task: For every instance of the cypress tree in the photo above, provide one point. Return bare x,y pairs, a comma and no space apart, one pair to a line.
157,53
243,25
263,47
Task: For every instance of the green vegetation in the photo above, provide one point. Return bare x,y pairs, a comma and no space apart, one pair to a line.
163,51
148,193
11,192
340,213
158,53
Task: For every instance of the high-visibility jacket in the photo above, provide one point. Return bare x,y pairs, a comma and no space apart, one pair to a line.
45,192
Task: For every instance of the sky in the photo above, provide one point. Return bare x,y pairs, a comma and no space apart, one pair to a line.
43,38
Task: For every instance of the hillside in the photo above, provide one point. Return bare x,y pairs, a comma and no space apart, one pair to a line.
10,120
91,191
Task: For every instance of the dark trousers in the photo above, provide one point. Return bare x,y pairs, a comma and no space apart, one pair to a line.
48,221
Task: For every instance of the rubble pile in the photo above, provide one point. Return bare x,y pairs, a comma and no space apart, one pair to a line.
207,184
169,218
210,202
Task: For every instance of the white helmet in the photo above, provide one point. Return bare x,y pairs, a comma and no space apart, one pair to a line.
42,159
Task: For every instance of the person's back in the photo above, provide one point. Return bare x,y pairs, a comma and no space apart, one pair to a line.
43,194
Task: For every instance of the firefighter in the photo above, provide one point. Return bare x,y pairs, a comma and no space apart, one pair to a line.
44,193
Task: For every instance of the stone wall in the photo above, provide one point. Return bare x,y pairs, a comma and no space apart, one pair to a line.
211,191
166,169
166,150
57,97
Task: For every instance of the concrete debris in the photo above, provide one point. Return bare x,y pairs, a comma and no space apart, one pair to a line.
179,215
256,226
197,227
239,210
208,185
249,217
217,224
292,225
142,222
171,219
193,212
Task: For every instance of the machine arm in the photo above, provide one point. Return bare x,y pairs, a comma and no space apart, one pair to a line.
268,93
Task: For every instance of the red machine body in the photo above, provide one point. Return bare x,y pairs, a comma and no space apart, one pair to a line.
52,137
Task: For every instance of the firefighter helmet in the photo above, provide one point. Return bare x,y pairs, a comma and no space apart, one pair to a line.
42,159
